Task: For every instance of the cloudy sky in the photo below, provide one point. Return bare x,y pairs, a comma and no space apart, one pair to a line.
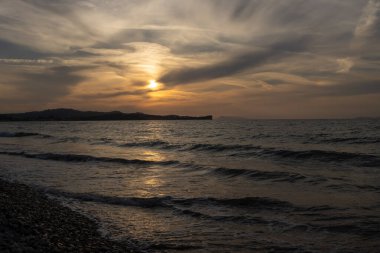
250,58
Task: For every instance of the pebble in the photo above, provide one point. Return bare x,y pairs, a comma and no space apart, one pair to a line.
32,223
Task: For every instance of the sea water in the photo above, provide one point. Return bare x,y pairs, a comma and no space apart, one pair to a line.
210,186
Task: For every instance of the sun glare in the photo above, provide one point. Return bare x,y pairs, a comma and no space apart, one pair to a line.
153,85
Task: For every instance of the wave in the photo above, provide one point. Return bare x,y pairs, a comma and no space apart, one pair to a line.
276,176
67,140
247,150
346,140
152,144
257,175
169,201
367,228
325,156
255,203
120,201
222,147
192,206
230,218
189,147
260,151
87,158
22,134
354,187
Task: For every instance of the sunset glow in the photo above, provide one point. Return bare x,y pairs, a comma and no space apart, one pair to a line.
153,85
255,59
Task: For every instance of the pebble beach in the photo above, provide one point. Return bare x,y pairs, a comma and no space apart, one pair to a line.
31,222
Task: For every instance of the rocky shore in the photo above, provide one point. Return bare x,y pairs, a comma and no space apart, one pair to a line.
31,222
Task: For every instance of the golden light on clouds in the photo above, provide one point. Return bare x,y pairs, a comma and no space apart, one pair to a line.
243,58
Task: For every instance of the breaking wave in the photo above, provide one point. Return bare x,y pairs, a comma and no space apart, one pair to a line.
22,134
87,158
263,203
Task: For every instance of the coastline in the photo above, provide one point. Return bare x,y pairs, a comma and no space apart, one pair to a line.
31,222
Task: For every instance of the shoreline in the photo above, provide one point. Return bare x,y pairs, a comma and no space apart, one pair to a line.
31,222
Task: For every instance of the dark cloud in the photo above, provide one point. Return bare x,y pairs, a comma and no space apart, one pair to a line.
56,6
12,50
243,10
196,48
221,88
50,83
347,88
343,88
275,81
234,65
106,95
82,53
118,68
134,89
17,51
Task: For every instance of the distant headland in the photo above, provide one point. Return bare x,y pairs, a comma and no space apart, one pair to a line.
64,114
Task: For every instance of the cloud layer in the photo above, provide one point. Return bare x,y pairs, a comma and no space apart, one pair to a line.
252,58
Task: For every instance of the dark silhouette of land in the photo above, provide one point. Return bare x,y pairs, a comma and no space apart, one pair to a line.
75,115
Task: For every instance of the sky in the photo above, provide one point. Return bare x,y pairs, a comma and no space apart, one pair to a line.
245,58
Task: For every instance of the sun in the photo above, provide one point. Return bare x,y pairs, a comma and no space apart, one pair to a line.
153,85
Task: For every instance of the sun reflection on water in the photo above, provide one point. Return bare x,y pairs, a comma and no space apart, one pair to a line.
152,182
153,155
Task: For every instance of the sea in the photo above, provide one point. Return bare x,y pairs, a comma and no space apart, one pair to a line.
209,186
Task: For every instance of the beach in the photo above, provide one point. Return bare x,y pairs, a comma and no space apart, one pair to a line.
31,222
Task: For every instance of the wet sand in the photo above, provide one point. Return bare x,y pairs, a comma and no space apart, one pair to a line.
31,222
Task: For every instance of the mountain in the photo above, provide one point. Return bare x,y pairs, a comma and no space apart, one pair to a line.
75,115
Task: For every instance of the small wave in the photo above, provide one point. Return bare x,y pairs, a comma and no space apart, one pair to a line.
190,147
347,140
322,208
120,201
228,218
325,156
367,228
67,140
247,202
87,158
151,144
321,155
170,202
261,175
221,147
354,187
262,136
22,134
174,246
